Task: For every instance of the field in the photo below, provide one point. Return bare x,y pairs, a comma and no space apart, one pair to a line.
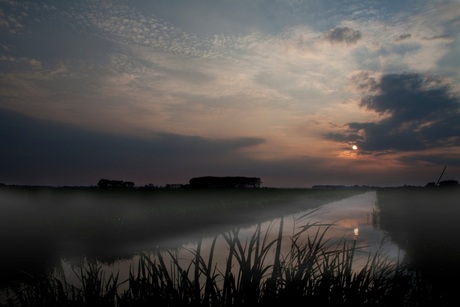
41,225
423,222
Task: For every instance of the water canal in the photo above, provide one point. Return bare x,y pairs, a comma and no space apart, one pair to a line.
337,220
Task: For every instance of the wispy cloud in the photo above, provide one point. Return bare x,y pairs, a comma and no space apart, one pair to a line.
38,149
286,72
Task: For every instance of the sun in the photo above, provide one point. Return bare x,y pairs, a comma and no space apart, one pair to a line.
354,147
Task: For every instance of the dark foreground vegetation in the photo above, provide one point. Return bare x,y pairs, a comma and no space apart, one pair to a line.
425,223
316,272
39,226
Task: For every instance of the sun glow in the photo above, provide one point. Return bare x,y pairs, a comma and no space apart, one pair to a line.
354,147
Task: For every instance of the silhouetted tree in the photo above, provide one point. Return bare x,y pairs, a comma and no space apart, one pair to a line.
106,183
103,183
128,184
225,182
449,183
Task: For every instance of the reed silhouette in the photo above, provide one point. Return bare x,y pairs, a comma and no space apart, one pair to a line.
316,271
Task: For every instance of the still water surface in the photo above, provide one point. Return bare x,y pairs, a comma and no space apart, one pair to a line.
344,215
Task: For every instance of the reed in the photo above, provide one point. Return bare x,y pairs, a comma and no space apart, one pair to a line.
52,289
316,271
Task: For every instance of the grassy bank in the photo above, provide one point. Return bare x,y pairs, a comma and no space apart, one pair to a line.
38,226
425,223
129,214
315,272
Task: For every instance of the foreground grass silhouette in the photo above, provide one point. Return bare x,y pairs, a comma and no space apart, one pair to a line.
424,223
315,272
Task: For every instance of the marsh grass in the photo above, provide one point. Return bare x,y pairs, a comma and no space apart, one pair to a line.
316,271
52,288
424,223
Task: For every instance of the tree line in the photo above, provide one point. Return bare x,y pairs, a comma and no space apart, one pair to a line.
106,183
225,182
234,182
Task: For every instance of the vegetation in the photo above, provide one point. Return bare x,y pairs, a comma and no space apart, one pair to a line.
40,225
106,183
424,223
315,272
225,182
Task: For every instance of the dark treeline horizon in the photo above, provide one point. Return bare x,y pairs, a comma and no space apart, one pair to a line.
126,185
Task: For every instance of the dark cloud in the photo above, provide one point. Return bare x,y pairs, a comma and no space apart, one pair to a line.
343,35
43,152
418,112
451,159
403,37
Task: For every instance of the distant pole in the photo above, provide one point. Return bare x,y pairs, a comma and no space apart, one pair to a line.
441,175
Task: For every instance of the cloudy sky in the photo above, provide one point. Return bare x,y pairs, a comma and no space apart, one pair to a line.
160,91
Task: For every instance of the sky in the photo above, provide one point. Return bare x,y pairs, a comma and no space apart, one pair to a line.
162,91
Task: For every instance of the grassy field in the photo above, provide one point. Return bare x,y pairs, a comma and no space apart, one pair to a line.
38,226
108,215
315,272
425,223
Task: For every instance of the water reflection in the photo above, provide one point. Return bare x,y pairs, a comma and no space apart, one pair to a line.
345,216
348,220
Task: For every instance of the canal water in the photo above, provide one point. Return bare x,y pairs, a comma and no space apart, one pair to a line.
337,220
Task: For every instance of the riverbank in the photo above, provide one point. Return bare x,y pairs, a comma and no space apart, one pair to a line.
254,269
424,222
40,225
